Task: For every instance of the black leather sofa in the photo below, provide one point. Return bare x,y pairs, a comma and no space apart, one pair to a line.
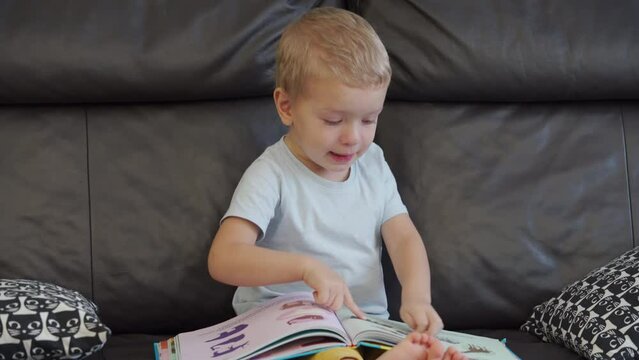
511,127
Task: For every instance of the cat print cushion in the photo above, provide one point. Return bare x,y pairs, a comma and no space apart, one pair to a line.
45,321
597,316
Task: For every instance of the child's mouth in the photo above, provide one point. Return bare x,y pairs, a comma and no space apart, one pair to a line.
339,158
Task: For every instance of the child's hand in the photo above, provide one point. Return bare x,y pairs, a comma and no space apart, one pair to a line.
421,316
330,289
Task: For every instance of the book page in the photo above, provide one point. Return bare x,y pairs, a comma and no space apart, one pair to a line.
375,330
476,347
298,348
276,322
389,332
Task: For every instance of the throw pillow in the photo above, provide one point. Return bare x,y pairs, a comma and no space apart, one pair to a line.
45,321
597,316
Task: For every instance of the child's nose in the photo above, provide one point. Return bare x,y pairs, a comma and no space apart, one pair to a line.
350,134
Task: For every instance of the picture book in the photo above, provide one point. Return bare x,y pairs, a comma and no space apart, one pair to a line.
293,325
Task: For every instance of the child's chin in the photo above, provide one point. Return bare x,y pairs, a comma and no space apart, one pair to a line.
340,168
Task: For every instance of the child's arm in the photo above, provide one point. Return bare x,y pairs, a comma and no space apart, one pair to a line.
408,254
235,259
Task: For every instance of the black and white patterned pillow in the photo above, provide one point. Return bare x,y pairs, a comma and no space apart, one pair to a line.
45,321
598,316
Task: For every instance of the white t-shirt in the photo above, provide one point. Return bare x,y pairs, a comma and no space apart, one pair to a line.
338,223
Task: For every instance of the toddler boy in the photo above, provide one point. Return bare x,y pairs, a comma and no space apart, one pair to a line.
312,211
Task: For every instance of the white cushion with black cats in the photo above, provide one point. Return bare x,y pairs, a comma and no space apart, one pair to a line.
598,316
45,321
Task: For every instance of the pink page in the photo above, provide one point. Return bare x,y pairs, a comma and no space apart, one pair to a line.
279,318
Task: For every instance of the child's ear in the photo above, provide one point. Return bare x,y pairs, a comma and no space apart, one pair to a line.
283,105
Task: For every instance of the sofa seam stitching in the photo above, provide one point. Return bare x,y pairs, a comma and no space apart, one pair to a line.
86,129
628,187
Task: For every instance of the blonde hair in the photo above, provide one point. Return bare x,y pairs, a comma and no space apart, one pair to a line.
331,42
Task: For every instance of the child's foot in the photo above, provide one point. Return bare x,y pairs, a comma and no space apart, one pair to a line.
453,354
419,346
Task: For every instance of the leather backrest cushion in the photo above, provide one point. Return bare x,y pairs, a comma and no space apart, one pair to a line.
140,50
513,202
44,202
509,50
161,178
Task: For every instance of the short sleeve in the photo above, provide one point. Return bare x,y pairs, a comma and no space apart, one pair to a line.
257,195
393,204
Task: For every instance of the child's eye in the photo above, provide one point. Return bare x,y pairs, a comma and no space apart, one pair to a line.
332,121
369,121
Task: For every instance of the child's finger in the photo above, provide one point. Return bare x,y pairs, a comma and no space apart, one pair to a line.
421,322
408,319
332,300
338,302
434,326
348,301
321,295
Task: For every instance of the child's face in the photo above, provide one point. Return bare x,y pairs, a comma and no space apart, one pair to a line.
330,124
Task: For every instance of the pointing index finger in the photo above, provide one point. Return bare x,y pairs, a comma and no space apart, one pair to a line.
353,307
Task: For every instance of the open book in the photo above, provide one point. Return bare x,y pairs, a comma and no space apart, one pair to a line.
294,325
